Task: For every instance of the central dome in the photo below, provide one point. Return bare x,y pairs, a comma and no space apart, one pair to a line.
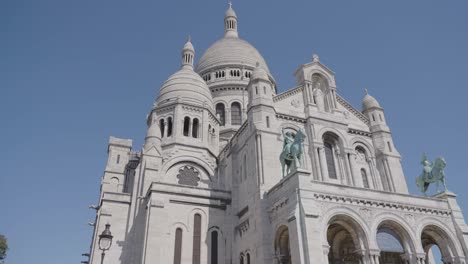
230,51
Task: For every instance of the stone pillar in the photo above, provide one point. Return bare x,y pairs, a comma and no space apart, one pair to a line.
374,256
316,159
421,258
323,164
176,131
326,251
336,162
373,172
351,158
165,128
227,116
190,127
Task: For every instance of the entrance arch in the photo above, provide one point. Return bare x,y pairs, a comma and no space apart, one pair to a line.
433,236
282,246
347,240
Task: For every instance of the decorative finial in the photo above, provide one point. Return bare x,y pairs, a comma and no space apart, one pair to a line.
365,90
189,39
315,58
230,4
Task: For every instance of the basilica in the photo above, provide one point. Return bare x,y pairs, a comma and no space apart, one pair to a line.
233,172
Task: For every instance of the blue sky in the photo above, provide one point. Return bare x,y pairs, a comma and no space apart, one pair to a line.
72,73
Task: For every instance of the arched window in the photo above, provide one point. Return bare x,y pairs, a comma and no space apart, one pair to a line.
214,247
236,115
195,128
196,239
241,259
169,126
161,126
118,159
221,113
186,126
365,181
248,258
178,246
268,122
330,160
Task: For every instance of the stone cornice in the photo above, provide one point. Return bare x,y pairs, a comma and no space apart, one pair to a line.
380,204
291,118
359,132
191,191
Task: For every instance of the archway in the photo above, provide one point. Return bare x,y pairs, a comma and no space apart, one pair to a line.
347,241
282,249
394,243
437,245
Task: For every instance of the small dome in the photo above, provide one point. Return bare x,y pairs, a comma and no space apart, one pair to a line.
230,12
228,52
185,85
369,102
259,73
188,46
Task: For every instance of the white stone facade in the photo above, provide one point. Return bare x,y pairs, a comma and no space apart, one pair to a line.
207,185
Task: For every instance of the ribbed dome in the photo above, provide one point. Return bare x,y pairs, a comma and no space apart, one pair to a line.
369,102
230,51
185,85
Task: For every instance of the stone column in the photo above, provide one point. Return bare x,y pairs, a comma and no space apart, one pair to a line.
335,161
323,163
165,128
316,160
372,168
421,258
190,127
351,158
374,256
326,251
176,131
227,116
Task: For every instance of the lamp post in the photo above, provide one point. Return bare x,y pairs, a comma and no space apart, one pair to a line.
105,241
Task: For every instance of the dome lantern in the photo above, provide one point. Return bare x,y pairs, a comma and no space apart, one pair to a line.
188,53
230,23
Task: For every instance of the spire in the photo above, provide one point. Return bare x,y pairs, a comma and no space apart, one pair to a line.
188,53
230,23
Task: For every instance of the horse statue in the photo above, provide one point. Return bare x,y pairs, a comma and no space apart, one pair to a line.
432,172
291,155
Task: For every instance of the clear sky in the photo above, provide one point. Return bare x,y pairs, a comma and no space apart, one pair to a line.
73,73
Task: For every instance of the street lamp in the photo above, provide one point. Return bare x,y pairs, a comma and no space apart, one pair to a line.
105,241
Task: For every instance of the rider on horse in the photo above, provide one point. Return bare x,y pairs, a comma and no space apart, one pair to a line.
427,168
288,140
